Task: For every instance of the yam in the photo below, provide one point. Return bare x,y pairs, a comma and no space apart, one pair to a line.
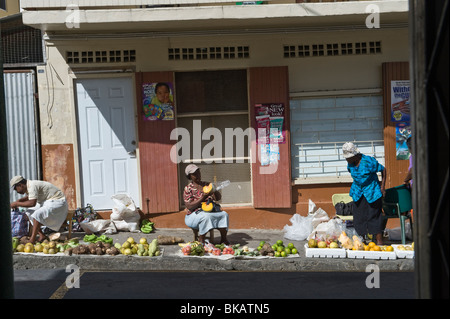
169,240
266,250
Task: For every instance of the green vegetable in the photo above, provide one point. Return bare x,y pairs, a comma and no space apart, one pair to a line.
90,238
93,239
147,226
153,247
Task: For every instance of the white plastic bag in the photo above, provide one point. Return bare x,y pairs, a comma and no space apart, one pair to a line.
125,214
329,229
302,226
300,229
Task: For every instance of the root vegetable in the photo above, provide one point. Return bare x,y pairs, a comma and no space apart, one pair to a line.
266,250
169,240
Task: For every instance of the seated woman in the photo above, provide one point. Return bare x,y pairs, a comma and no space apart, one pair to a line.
196,218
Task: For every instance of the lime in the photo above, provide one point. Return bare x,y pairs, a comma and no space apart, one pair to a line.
290,245
283,254
280,248
294,251
287,251
262,242
277,254
279,242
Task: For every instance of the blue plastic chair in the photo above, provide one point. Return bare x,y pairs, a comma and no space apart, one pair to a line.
397,203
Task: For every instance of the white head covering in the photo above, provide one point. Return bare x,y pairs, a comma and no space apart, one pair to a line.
349,150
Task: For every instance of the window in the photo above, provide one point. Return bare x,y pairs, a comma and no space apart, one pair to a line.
216,100
319,128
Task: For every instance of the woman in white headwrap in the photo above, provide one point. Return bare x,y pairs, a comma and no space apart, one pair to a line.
366,191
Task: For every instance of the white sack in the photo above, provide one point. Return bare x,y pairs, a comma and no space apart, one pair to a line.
125,214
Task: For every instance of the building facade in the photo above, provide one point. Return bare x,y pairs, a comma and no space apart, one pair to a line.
312,75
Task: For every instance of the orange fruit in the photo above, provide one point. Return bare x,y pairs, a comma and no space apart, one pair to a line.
389,248
366,248
376,248
371,244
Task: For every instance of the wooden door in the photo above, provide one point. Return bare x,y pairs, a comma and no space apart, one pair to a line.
159,175
271,184
396,169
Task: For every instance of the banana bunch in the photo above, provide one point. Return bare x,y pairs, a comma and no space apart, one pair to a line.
147,226
193,244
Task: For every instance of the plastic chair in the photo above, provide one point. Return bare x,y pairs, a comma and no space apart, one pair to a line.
397,203
346,198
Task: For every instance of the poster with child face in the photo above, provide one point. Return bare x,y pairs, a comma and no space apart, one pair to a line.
158,101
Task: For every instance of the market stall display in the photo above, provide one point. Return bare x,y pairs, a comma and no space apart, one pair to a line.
404,251
91,245
264,250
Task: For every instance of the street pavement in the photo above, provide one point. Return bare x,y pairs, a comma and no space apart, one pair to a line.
172,259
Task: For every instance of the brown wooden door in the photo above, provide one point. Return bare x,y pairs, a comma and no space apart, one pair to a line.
271,188
158,174
396,169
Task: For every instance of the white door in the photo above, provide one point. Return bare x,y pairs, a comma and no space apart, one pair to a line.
107,140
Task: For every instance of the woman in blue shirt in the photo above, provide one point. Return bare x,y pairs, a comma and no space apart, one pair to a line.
366,191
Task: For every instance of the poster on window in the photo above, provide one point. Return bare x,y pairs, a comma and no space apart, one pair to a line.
400,107
158,101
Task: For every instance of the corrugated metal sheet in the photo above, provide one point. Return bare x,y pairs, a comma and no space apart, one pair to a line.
21,126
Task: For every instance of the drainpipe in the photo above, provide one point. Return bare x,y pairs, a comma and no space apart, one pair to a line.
6,265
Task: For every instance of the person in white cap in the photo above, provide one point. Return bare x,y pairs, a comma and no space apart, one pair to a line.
195,217
46,203
366,190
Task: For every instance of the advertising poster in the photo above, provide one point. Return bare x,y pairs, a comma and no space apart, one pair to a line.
402,132
270,117
400,107
158,101
270,125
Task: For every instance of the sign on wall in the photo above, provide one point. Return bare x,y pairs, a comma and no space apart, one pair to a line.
400,115
158,101
270,124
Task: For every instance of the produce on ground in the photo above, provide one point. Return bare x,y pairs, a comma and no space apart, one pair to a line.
147,226
264,249
169,240
93,239
23,245
143,248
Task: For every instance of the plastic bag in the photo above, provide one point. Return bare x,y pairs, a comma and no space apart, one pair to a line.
330,229
302,226
125,214
300,229
19,223
396,233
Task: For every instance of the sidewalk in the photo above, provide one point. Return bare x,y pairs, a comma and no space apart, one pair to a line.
173,260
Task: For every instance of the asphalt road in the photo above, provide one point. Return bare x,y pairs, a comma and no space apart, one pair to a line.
227,285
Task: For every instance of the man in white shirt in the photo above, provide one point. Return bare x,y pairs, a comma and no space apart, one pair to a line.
46,203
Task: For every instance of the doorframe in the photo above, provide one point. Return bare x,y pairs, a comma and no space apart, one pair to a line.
75,76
